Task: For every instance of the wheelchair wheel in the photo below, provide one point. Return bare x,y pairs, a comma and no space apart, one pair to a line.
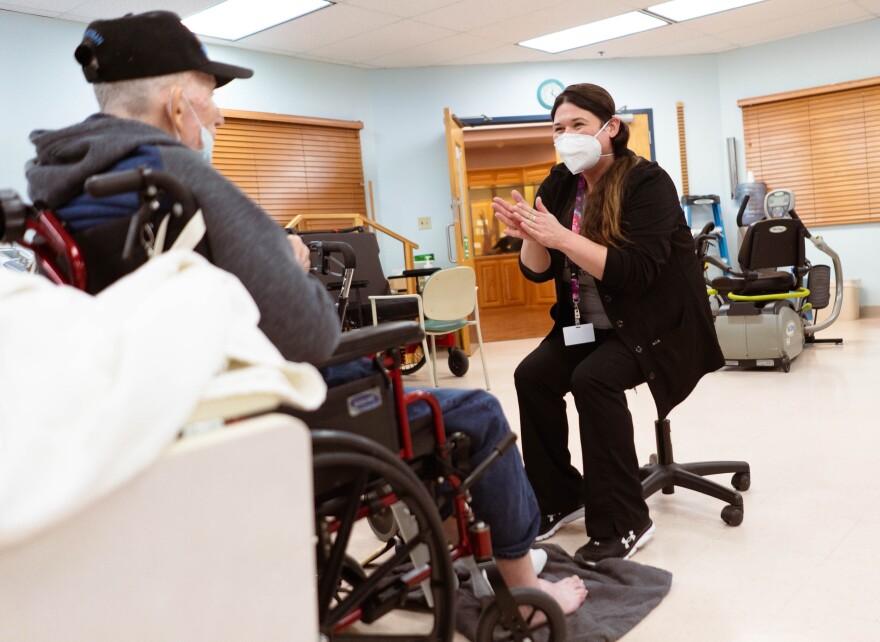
543,619
458,362
356,478
413,359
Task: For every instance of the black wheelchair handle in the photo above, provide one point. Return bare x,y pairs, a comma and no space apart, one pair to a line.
13,216
142,180
742,210
708,227
349,259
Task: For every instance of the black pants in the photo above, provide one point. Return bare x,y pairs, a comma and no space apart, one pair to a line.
597,374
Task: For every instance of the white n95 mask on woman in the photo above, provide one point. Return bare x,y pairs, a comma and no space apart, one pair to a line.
580,152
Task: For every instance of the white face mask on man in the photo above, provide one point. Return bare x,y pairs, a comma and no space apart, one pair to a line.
580,152
207,142
205,135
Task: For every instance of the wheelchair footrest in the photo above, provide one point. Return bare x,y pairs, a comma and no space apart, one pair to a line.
394,596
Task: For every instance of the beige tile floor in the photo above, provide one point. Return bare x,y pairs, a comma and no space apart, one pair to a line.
803,565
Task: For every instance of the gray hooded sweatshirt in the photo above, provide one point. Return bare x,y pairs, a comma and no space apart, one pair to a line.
297,313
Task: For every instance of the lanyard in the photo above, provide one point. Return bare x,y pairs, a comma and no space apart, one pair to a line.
576,228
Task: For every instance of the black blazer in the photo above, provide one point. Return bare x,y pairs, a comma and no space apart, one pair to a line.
652,290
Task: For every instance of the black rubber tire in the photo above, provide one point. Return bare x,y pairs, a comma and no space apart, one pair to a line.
786,364
458,362
732,515
368,472
741,481
491,627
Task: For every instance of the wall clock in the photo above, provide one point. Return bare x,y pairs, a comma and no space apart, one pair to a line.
548,91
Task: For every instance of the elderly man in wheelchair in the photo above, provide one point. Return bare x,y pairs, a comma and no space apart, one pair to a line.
416,452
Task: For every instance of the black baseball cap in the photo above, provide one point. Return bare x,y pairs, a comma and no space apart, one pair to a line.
142,45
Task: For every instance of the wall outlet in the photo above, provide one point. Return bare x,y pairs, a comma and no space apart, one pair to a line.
424,222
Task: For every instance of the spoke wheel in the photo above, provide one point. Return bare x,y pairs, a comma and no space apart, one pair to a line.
355,479
413,358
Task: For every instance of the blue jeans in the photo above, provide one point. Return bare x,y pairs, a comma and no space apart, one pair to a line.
502,496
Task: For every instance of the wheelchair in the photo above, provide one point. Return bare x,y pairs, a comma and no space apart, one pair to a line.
372,469
371,283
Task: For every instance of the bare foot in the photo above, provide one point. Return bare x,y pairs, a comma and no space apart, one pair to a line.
569,592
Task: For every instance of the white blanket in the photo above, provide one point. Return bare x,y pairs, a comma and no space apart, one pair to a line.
93,389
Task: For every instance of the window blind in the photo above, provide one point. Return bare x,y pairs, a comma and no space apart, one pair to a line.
822,143
293,165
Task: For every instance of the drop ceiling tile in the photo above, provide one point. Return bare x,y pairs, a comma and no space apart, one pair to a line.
399,8
468,15
320,28
670,34
789,10
566,14
504,55
360,32
104,9
691,47
870,5
437,52
807,22
398,36
50,8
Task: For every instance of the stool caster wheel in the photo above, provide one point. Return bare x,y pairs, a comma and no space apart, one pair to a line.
495,625
653,458
741,481
732,515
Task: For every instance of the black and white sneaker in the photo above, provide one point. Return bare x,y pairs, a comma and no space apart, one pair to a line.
553,522
623,547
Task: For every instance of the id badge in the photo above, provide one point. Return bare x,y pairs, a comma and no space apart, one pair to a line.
575,334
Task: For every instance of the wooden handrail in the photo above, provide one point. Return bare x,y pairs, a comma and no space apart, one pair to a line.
357,220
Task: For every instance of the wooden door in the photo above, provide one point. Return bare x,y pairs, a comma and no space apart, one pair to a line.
640,137
460,228
458,184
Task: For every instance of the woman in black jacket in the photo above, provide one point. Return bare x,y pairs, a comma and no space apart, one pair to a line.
631,307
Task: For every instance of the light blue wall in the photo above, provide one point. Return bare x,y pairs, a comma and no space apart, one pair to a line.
402,110
39,86
44,88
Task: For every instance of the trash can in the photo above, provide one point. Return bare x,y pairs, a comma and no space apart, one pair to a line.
849,311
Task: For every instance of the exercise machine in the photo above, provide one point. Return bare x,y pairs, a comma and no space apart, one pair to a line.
768,312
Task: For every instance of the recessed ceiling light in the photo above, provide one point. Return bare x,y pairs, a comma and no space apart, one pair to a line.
681,10
237,19
593,32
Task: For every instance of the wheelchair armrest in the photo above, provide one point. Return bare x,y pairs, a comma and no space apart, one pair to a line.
375,338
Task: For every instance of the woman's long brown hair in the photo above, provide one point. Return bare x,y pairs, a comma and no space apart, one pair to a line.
601,220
